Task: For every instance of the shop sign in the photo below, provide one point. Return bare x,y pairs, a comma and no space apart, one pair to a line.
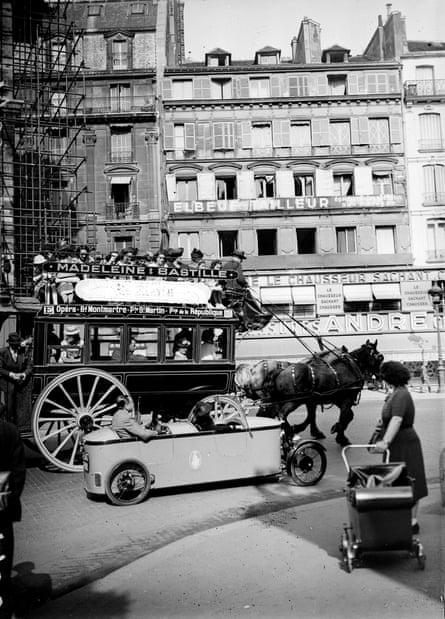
284,204
84,310
329,299
415,296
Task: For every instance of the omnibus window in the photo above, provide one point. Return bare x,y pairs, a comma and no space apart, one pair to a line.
105,343
179,344
53,342
143,344
72,344
213,344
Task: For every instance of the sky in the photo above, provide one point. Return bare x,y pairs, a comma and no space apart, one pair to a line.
244,26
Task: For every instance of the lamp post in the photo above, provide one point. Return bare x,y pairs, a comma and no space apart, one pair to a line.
436,294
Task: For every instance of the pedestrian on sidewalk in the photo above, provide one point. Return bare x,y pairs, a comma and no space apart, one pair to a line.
15,373
424,378
12,460
400,436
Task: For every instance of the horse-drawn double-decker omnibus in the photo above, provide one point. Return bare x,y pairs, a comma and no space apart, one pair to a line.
154,338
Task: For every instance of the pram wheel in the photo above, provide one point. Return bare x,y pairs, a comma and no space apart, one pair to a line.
348,550
418,553
306,464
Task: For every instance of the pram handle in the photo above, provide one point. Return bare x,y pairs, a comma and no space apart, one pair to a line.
367,446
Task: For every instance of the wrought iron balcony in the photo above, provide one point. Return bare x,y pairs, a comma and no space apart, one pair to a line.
422,89
99,105
435,254
122,211
434,198
436,144
121,156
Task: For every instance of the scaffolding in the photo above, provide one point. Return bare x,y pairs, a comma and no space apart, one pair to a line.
41,116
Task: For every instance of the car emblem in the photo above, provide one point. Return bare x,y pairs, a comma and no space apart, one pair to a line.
195,460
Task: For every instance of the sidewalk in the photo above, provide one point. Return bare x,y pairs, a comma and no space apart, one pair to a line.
282,564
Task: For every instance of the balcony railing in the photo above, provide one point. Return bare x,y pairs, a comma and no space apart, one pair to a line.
435,254
436,144
122,156
122,211
119,104
433,199
424,88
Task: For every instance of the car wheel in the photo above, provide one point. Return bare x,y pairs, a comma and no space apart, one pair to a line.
128,484
306,464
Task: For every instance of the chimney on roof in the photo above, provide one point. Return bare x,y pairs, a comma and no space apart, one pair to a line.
293,45
388,9
380,21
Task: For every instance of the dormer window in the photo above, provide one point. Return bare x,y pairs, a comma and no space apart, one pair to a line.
94,10
138,8
268,55
218,58
335,54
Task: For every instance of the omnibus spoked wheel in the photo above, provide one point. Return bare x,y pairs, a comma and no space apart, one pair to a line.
224,408
72,405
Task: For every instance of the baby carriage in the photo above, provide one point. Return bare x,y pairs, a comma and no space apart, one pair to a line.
379,500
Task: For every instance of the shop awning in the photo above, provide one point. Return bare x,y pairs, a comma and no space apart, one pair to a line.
276,295
120,180
386,291
357,292
303,295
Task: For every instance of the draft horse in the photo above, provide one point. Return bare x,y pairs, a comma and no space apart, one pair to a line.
331,377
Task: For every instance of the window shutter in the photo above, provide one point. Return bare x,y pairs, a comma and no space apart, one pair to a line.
324,184
189,136
281,132
275,86
241,87
395,129
203,137
229,134
352,84
169,136
170,181
393,82
246,134
359,131
321,85
284,86
363,181
206,186
285,184
167,88
218,136
246,185
320,132
201,88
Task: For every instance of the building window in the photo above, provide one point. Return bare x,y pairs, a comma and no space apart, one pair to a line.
385,239
306,241
267,242
121,150
304,185
184,137
188,241
259,87
337,84
299,86
138,8
120,98
425,80
268,59
226,188
94,10
119,54
346,240
120,207
261,135
227,242
186,189
58,55
382,183
221,88
379,135
430,132
434,184
343,184
340,137
223,136
436,240
265,185
123,242
300,138
182,89
58,104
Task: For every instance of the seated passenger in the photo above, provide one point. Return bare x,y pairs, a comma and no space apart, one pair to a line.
182,349
208,349
126,426
72,345
201,418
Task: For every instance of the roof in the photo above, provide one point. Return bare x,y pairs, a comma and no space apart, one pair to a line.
268,49
114,16
336,48
426,46
218,51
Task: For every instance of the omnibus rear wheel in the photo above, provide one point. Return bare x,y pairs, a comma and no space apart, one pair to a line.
72,405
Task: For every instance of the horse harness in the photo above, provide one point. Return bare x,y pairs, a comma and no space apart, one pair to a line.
347,358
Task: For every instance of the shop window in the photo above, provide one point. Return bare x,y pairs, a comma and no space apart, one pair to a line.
346,240
227,242
267,242
306,241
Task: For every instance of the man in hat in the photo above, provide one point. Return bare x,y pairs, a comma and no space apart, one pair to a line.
71,345
15,373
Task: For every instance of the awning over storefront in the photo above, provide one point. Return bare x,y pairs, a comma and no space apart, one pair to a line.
357,292
303,295
386,291
276,295
120,180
